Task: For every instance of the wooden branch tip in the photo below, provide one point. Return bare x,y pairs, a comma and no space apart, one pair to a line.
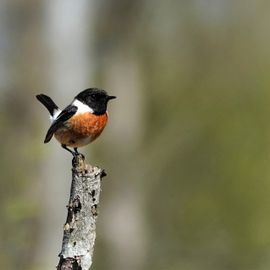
80,228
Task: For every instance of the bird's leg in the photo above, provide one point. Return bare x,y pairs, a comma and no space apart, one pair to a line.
65,147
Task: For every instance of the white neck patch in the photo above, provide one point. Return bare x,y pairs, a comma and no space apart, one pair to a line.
82,108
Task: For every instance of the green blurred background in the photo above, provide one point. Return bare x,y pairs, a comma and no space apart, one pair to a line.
187,146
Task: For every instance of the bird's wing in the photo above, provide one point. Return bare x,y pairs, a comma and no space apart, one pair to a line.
67,113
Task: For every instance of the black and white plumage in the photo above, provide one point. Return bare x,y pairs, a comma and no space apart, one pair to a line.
81,121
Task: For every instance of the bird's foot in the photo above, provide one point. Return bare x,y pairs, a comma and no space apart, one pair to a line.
76,153
78,160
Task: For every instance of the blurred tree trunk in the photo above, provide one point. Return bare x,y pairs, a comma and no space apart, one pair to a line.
67,30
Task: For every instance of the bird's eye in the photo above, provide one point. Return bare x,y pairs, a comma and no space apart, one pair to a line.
93,96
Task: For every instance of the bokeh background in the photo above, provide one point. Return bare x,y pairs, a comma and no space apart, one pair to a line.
187,148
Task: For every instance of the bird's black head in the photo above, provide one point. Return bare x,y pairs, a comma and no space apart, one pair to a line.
96,99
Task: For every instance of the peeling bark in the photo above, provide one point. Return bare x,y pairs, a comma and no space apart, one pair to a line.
80,227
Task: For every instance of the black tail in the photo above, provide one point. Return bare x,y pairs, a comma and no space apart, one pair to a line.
48,103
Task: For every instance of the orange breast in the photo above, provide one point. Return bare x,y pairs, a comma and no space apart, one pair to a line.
88,124
81,129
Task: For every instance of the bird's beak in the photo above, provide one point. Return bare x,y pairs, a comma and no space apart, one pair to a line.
111,97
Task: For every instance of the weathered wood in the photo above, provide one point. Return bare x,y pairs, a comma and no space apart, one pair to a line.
80,227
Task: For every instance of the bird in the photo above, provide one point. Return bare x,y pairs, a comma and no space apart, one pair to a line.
81,122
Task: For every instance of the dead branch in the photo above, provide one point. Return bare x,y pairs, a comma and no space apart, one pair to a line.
80,227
